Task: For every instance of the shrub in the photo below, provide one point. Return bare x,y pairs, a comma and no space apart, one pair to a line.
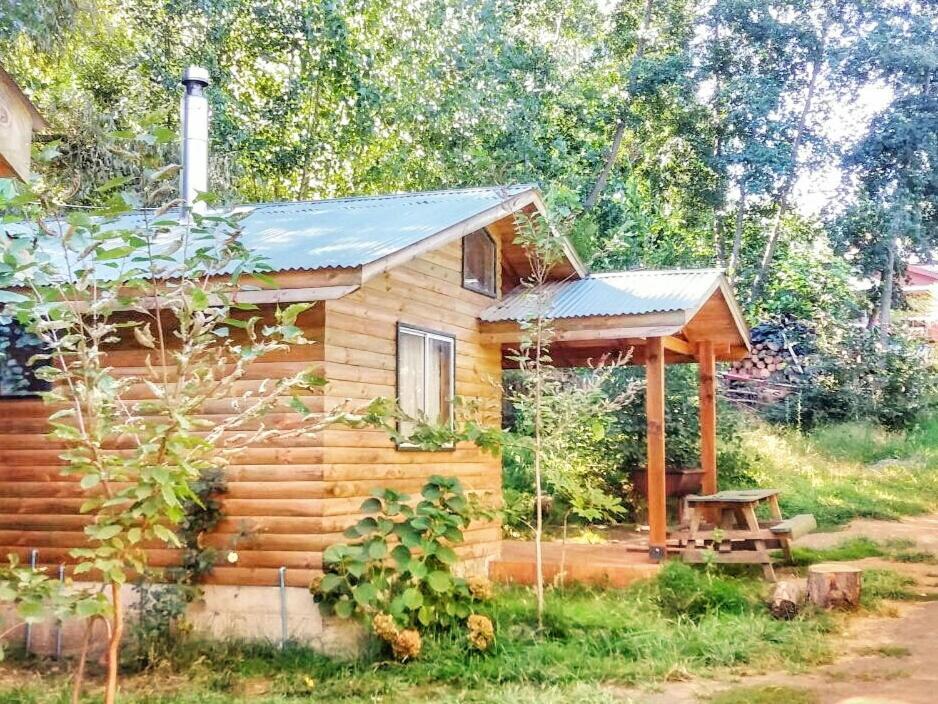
854,376
410,584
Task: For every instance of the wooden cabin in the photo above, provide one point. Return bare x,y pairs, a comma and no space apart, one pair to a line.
18,120
418,298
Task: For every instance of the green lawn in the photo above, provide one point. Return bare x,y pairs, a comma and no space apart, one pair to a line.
847,471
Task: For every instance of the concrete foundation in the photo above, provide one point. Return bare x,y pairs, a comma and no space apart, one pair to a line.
223,612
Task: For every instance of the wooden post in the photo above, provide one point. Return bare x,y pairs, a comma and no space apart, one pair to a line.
654,412
708,417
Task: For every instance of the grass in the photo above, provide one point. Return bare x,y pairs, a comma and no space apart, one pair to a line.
859,548
887,651
686,623
764,695
848,471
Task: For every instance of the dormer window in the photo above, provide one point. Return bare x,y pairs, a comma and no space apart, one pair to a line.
478,263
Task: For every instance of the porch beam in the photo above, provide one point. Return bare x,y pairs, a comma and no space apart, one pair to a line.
708,416
676,344
654,412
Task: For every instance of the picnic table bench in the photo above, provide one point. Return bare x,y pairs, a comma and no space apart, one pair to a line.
736,534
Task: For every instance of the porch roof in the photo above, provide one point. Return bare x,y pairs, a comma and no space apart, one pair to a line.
614,293
620,311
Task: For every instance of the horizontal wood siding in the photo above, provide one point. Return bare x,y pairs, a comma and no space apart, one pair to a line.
276,492
361,364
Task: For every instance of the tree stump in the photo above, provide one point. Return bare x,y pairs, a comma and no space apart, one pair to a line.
833,586
787,600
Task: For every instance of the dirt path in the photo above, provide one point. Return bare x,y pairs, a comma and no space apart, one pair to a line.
890,659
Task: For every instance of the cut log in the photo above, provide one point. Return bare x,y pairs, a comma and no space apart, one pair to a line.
787,599
834,586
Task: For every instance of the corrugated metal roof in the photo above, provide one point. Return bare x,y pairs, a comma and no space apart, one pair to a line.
352,232
346,232
616,293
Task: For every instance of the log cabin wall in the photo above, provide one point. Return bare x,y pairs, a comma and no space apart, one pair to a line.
272,509
288,500
361,364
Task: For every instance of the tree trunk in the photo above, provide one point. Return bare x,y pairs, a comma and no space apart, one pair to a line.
885,301
617,137
785,193
834,586
787,600
738,233
113,646
538,488
79,676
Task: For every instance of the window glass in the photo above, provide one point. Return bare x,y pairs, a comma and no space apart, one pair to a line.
17,377
425,377
478,267
410,375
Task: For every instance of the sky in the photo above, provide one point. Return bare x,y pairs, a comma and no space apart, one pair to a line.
848,120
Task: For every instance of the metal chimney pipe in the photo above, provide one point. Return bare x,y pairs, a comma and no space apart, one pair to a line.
194,136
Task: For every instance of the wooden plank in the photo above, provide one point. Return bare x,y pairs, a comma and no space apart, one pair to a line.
708,417
654,409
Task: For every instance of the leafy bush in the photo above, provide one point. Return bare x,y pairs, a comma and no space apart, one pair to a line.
682,423
410,584
854,376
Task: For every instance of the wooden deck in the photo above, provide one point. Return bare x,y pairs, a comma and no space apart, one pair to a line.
605,564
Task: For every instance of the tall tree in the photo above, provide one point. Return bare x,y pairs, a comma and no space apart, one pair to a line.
896,214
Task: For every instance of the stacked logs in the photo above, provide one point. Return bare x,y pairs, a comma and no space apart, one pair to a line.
773,356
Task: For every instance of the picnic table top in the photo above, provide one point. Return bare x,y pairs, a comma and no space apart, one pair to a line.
735,496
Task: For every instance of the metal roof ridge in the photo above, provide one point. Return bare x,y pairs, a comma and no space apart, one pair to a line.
625,272
388,196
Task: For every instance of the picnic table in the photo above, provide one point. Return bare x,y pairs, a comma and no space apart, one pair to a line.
735,534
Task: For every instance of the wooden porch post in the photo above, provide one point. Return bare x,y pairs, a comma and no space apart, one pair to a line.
654,411
708,417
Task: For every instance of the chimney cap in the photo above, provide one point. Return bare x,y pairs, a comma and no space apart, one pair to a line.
196,74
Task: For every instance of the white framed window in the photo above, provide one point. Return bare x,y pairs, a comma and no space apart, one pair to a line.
426,376
479,262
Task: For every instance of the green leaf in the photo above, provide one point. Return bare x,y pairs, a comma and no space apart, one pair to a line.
440,581
413,599
446,555
425,615
365,594
371,505
105,532
343,609
89,481
330,582
199,299
377,550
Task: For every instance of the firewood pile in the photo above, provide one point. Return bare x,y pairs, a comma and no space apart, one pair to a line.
775,366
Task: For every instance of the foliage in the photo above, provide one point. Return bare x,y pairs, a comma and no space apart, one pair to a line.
854,376
36,596
682,421
410,582
578,449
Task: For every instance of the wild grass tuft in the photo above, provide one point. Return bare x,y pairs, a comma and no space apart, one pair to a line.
764,695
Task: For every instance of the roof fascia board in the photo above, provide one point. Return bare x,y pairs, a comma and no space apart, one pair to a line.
568,249
449,234
39,122
513,204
